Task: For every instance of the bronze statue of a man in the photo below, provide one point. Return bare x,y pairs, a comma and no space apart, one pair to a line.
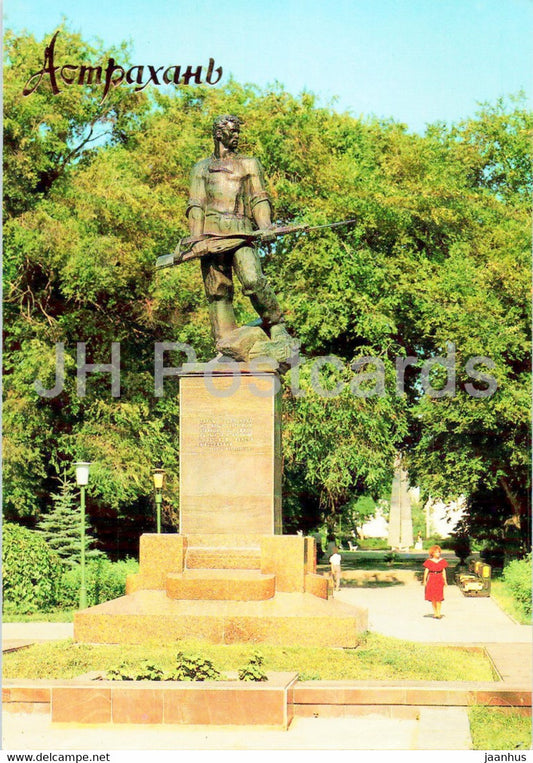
227,195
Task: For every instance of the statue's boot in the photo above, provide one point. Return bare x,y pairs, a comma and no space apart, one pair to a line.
265,303
222,318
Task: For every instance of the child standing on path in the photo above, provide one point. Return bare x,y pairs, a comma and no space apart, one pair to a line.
335,562
435,579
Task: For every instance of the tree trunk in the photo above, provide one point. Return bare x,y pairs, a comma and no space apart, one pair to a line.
514,501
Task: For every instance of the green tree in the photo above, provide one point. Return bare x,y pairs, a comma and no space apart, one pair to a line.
341,443
61,526
78,263
45,136
361,510
479,300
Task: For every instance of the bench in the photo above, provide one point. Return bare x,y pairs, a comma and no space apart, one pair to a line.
475,582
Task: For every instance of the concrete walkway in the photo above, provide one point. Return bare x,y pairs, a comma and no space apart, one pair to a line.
373,732
436,728
16,635
401,611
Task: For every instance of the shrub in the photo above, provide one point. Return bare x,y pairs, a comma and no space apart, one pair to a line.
461,545
147,671
104,580
193,668
391,557
517,579
253,670
493,555
343,538
31,571
438,540
187,668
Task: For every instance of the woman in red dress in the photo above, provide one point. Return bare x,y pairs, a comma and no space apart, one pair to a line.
435,579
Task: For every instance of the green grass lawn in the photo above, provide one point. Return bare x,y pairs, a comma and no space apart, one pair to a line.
507,602
377,657
379,560
495,728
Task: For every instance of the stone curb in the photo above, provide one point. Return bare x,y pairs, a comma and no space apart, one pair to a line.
236,703
82,701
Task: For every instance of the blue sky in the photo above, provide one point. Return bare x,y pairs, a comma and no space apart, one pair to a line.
416,61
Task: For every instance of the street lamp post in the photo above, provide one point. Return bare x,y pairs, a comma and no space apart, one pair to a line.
159,478
82,480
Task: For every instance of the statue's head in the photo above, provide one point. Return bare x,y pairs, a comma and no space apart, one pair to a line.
226,128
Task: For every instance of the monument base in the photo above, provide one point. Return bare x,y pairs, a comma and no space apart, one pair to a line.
287,619
224,589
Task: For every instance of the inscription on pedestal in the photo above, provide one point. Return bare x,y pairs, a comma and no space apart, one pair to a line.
230,455
232,433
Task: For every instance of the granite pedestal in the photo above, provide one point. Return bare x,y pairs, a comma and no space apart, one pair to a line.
229,575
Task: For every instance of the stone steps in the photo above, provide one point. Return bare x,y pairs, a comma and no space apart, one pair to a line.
220,585
223,552
216,557
218,540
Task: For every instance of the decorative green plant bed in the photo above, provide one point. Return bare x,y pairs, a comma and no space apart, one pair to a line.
377,657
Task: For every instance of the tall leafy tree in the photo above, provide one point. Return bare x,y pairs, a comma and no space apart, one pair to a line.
479,300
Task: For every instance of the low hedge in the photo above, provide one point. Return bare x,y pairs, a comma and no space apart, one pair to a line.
31,572
104,580
35,579
517,579
376,544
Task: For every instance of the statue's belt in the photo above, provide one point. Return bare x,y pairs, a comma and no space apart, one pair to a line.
225,215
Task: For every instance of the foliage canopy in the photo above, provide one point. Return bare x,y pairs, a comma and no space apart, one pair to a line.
439,258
